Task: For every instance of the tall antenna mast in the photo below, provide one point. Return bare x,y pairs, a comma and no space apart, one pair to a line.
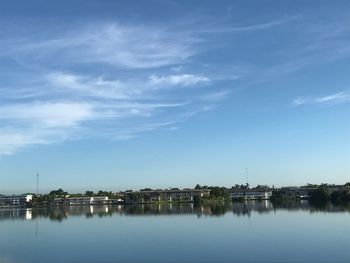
246,174
37,184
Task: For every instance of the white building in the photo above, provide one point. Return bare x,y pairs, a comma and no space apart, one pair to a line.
82,200
251,194
15,200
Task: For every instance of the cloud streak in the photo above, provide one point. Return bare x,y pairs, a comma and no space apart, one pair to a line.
83,106
182,80
336,98
116,81
47,114
90,87
114,44
253,27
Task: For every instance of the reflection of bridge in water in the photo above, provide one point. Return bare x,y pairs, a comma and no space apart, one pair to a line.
214,209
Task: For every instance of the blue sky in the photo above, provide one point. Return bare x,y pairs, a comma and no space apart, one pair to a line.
128,94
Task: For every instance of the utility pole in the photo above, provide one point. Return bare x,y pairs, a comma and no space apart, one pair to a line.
246,174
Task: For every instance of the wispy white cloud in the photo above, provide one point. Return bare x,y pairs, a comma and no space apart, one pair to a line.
321,43
98,87
336,98
84,106
109,80
183,80
40,123
13,140
216,96
93,87
115,44
299,101
253,27
28,124
46,113
197,111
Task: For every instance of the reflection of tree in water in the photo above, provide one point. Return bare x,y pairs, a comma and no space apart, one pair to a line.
133,209
329,206
241,209
246,207
313,206
158,209
291,205
105,214
213,208
89,215
57,217
59,214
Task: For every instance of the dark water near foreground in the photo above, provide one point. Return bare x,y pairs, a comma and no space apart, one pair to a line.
238,232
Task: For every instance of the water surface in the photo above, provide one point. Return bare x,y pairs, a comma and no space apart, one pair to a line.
238,232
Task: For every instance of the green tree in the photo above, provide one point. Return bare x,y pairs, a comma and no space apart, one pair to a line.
320,194
58,193
89,193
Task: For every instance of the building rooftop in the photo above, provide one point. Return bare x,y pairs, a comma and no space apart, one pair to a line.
168,191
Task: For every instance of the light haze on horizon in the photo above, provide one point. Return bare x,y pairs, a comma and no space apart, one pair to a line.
118,95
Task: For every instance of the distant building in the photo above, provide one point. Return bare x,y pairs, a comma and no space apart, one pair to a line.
297,192
15,200
251,194
337,188
152,196
82,200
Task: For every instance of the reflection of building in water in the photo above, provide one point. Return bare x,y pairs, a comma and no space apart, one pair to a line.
15,200
152,196
60,213
99,209
251,194
159,209
15,213
82,200
77,210
29,214
245,208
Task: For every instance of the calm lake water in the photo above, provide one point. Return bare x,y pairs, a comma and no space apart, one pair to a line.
238,232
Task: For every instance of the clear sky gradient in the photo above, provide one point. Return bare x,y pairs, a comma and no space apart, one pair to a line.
121,95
